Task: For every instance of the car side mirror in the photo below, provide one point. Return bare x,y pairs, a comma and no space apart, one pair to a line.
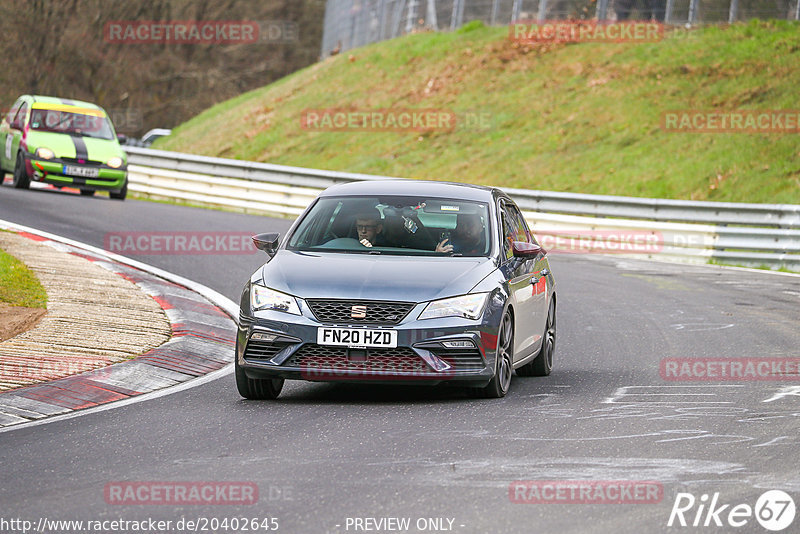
17,124
122,138
267,242
523,249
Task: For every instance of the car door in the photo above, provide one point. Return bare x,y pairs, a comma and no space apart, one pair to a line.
13,138
525,280
6,141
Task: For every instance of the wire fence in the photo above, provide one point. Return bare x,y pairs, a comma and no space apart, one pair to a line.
353,23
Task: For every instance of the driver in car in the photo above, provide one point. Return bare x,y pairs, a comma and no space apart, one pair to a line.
467,237
369,227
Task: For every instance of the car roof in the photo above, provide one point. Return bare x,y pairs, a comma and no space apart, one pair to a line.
423,188
66,102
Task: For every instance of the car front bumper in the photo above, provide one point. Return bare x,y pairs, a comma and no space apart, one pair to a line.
52,172
420,356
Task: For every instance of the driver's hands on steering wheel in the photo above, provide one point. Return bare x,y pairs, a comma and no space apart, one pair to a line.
365,242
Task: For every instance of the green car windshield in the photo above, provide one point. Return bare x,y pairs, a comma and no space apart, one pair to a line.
67,122
396,225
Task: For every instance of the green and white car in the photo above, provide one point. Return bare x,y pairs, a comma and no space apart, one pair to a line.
67,143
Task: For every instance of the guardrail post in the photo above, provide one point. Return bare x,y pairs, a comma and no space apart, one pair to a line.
431,20
602,10
797,11
516,9
668,11
381,19
411,16
542,10
692,11
733,11
494,12
396,16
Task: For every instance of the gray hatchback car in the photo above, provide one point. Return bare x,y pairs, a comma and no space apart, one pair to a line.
399,281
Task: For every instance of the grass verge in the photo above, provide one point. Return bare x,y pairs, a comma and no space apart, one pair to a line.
18,285
580,117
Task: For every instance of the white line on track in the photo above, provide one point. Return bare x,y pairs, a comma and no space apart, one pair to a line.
218,299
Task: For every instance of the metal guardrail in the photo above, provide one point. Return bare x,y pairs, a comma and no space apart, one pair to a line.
690,231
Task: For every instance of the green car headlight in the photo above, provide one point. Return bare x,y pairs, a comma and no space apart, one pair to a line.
467,306
264,298
44,153
115,162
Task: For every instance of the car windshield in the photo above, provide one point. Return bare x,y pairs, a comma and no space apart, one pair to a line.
398,225
67,122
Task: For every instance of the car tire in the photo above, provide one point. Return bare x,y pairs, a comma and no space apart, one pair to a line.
122,192
21,179
255,388
500,383
87,193
543,363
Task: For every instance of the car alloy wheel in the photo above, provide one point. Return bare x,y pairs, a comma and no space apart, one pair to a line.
543,363
498,387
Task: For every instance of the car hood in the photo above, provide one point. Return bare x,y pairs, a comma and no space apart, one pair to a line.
373,277
64,146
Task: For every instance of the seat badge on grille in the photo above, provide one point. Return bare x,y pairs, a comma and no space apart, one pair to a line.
358,312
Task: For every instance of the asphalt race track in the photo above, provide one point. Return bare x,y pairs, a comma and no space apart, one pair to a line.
324,453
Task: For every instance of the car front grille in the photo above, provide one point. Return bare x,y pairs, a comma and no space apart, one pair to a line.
262,350
85,162
319,357
376,312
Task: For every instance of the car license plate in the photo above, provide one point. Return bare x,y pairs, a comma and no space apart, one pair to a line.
86,172
356,337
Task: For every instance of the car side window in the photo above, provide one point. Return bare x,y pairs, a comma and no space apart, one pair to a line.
514,229
508,233
12,113
521,232
23,110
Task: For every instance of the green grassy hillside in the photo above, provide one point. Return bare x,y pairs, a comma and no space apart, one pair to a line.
580,117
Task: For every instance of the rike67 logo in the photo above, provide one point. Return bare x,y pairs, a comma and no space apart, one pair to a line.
774,510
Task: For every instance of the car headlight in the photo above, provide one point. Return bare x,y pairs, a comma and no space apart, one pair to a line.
44,153
115,162
468,306
264,298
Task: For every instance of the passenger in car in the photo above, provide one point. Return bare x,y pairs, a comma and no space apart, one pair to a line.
467,238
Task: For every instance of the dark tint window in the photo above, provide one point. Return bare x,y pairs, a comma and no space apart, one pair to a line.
514,229
397,225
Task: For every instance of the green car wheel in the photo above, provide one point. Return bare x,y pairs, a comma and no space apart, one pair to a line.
21,180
